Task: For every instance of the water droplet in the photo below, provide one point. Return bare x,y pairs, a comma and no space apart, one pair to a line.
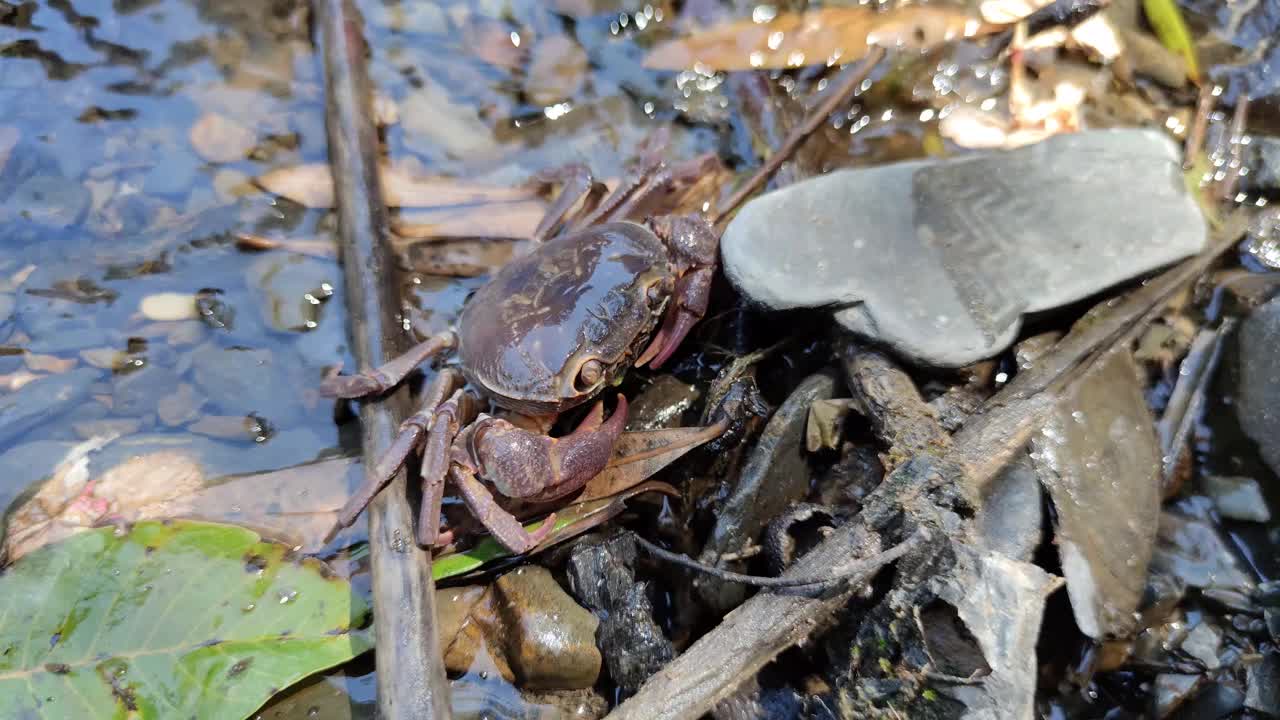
287,596
248,608
315,711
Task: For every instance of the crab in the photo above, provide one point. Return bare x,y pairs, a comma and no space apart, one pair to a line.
552,330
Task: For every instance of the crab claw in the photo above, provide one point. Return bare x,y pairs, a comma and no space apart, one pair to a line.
535,467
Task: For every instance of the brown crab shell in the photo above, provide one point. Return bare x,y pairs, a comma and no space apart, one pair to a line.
598,293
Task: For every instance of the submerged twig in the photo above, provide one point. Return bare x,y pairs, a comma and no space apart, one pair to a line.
1187,400
411,677
846,86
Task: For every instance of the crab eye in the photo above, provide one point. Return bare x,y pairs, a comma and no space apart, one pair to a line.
590,373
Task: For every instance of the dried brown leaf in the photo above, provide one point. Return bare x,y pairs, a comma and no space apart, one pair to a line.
459,258
639,455
826,35
312,185
515,220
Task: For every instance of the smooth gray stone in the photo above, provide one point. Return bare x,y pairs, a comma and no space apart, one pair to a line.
941,259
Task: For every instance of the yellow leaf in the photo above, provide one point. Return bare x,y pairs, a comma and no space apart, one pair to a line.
826,35
1166,19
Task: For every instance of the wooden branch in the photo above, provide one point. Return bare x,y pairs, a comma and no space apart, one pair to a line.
411,677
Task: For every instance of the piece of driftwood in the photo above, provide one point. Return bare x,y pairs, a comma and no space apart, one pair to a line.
921,492
411,676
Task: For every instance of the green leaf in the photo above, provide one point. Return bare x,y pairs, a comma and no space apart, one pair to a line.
1166,20
168,620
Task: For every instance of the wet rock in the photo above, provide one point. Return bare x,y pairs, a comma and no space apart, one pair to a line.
1257,386
98,428
173,175
1263,160
432,116
181,405
42,400
1099,458
530,628
27,464
1263,694
1213,702
292,447
51,201
661,404
1203,643
1171,690
242,381
292,289
601,577
941,259
775,475
1237,498
139,392
1192,551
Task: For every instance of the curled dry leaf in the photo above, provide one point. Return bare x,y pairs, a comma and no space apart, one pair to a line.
312,185
218,138
826,35
973,128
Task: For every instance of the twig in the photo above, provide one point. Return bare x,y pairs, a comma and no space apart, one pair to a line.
852,571
1199,124
845,88
1235,142
411,677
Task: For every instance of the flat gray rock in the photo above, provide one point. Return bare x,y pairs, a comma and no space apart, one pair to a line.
941,259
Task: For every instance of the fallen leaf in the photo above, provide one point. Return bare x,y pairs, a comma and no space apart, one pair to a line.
218,138
317,247
312,185
515,220
1166,18
49,363
177,619
639,455
823,427
824,36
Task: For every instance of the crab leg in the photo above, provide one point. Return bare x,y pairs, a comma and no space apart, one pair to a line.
506,529
388,375
446,421
578,185
447,381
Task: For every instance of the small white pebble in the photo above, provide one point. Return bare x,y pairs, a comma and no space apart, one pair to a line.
169,306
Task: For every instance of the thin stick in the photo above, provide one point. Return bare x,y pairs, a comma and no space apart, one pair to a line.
411,677
1199,125
852,79
858,569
